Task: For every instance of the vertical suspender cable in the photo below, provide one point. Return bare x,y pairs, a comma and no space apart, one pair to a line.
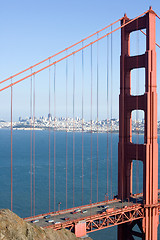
137,116
97,108
11,148
31,143
66,124
54,137
111,104
107,108
91,118
34,145
49,116
73,125
82,114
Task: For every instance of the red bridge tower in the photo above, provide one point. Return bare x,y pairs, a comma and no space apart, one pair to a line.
147,152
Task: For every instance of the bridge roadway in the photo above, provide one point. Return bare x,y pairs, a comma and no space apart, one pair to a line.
98,215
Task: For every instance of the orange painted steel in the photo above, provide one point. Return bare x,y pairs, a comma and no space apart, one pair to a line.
64,211
147,152
11,149
49,147
157,15
15,75
113,217
80,229
82,117
66,131
91,124
104,220
31,158
76,51
107,114
73,130
111,104
54,163
97,109
69,209
34,149
145,35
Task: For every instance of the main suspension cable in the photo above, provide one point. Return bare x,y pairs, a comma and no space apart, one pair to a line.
76,51
146,35
157,15
60,51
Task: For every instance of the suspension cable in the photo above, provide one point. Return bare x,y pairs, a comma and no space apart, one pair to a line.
91,43
146,35
73,126
82,115
49,133
54,137
157,15
34,145
61,51
73,46
111,103
107,110
91,118
31,143
11,148
66,124
137,118
97,107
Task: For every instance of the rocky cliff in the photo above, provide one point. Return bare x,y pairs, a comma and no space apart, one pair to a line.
13,227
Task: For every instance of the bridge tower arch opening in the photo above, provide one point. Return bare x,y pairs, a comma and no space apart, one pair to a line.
147,152
137,177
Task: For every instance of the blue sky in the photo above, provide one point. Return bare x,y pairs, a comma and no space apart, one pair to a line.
34,30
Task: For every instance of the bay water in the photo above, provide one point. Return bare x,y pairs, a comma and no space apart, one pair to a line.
99,151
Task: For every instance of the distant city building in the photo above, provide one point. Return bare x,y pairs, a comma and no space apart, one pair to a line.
69,124
50,116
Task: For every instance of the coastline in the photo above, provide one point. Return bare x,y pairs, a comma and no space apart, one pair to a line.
70,130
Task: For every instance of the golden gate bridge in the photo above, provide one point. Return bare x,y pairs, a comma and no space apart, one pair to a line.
91,60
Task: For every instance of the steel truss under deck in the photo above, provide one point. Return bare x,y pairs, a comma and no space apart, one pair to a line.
105,220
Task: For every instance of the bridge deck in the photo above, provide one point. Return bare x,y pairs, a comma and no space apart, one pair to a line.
95,215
